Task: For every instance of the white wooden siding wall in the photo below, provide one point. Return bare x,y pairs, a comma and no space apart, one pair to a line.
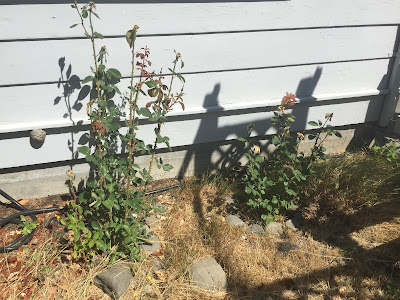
240,59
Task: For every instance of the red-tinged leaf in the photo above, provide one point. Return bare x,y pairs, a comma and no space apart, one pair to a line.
11,259
159,252
152,92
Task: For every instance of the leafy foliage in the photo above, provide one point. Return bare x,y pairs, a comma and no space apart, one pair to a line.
273,182
389,151
108,215
27,225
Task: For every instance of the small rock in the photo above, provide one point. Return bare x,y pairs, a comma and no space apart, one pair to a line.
153,243
62,236
274,228
207,274
114,281
285,247
293,224
158,264
255,229
228,200
150,220
234,221
148,289
34,242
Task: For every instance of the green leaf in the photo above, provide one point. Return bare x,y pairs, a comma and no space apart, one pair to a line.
259,158
83,197
85,150
80,209
72,26
108,203
114,126
99,35
87,79
109,178
144,112
311,136
100,244
92,159
291,118
337,133
77,235
180,77
101,69
95,225
116,89
84,12
312,123
96,15
96,235
114,73
150,83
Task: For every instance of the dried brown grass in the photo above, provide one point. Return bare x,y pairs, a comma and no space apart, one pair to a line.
348,248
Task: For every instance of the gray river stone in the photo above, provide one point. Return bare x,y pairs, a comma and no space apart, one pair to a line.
234,221
207,274
115,280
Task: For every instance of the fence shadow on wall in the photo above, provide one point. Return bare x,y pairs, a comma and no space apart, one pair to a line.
228,156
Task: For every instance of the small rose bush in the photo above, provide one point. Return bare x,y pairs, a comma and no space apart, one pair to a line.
273,182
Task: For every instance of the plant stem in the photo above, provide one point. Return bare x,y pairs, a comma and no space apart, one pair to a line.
160,122
132,107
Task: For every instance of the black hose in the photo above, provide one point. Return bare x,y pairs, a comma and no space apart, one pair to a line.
15,218
22,240
164,189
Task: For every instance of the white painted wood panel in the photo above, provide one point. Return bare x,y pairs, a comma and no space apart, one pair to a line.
212,127
35,62
29,107
53,20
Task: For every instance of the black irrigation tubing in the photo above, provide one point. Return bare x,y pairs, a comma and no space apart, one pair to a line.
15,218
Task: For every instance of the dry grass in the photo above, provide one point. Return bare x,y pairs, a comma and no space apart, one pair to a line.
347,250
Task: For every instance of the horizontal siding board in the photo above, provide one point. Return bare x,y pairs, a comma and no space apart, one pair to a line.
53,20
36,62
29,107
212,127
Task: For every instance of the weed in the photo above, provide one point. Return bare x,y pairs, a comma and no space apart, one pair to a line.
27,226
388,151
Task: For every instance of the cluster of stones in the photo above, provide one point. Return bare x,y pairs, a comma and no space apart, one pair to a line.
206,273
